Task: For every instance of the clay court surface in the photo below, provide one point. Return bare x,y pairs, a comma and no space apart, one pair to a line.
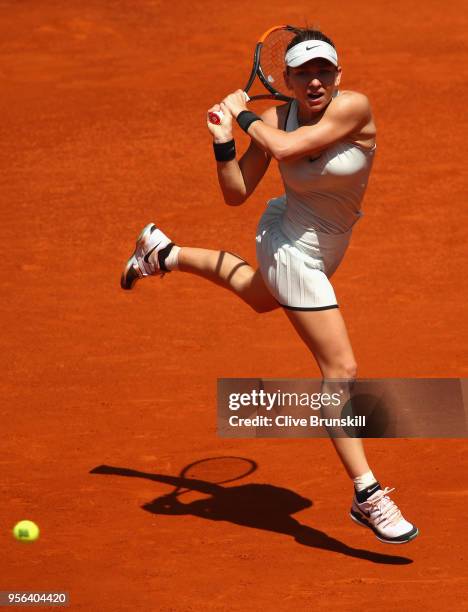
102,130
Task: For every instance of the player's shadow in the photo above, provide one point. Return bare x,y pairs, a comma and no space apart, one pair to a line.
261,506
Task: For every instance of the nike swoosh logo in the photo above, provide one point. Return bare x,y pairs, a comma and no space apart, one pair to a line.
313,47
146,257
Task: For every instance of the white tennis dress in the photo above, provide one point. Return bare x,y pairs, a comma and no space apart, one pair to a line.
303,234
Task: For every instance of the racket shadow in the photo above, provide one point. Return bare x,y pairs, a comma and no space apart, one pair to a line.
257,506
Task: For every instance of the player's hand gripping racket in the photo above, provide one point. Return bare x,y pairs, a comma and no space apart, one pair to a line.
268,66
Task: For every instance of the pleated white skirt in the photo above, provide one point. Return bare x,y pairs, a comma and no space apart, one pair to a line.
296,264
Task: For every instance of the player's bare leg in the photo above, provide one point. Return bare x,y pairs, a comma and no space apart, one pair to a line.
155,255
324,332
229,271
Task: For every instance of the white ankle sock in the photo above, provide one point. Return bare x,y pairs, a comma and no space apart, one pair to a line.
364,481
172,260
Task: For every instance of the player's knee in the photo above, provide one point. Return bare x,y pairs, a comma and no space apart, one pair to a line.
261,307
258,308
346,368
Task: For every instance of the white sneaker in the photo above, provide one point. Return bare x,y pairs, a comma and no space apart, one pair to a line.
383,516
138,266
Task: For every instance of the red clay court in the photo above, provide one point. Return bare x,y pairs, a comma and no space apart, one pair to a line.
103,130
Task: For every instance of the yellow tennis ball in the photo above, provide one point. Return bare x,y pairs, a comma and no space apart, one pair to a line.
26,531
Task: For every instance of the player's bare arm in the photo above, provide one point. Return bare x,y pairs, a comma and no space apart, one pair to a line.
255,161
348,116
238,179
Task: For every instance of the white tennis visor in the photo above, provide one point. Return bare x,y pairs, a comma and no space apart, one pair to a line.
308,50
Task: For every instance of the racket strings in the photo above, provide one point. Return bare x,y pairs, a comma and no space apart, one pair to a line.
272,58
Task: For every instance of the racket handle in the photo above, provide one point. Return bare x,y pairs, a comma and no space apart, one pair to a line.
215,117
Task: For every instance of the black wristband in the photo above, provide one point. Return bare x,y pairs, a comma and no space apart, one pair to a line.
224,151
246,118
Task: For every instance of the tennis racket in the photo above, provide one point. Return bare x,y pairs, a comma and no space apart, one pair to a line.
268,66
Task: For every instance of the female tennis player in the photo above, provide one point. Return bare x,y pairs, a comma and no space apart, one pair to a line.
324,142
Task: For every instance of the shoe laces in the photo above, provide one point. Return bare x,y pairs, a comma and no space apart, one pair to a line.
385,509
146,268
